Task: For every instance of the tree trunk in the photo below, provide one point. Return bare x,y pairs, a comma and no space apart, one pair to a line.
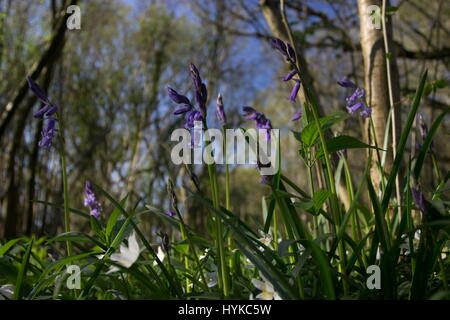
376,82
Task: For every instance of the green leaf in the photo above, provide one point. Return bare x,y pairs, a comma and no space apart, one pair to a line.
391,10
23,271
402,144
113,219
427,143
319,198
310,133
5,248
339,143
76,237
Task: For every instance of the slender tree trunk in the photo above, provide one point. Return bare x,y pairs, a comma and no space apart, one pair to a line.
376,81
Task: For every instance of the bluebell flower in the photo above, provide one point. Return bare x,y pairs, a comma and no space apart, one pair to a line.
48,133
261,122
201,94
294,91
170,213
45,113
38,91
220,110
355,102
346,83
290,75
419,199
165,241
297,115
183,109
178,98
91,201
284,48
423,128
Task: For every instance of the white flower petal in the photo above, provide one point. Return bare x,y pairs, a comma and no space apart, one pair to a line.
258,284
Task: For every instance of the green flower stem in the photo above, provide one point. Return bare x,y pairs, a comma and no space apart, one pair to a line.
223,278
312,104
436,167
65,184
311,190
227,191
380,167
185,236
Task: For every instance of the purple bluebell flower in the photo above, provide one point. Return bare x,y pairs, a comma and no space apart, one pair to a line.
290,75
355,102
353,108
261,122
178,98
37,91
170,213
45,113
220,110
294,91
201,94
366,112
249,113
183,109
284,48
346,83
48,133
297,115
419,199
423,133
359,94
91,201
165,241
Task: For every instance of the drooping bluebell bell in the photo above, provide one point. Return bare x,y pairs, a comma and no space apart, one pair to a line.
419,199
38,91
355,102
220,112
294,91
261,122
45,113
201,94
423,128
182,110
297,115
290,75
91,201
165,241
170,213
285,49
178,98
48,133
346,83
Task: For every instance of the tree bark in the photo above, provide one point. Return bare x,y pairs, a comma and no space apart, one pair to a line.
376,82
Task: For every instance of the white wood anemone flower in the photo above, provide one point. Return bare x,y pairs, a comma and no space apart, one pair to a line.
161,256
267,290
128,255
